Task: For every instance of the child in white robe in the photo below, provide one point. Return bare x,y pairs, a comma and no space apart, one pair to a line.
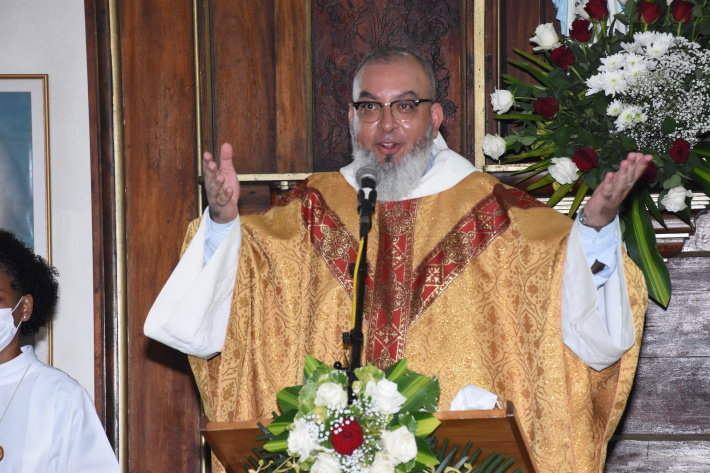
48,422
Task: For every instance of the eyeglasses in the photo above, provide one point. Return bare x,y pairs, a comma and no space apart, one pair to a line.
402,110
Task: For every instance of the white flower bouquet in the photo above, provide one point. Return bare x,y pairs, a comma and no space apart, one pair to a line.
639,81
381,431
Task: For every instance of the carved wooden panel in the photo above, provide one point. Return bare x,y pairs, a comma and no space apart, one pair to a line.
344,31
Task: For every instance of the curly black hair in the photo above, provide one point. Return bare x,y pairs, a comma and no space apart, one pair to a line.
30,274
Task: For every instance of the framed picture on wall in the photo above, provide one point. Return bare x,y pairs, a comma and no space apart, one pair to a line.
24,160
24,173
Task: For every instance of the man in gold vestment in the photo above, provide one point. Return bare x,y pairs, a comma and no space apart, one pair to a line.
469,279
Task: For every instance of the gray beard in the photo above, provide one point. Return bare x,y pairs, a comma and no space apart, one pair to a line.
397,181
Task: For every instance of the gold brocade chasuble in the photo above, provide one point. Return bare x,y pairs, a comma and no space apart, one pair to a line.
465,284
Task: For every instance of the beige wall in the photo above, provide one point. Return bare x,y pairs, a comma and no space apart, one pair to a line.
48,37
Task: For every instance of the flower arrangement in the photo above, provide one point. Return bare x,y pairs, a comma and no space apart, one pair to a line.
637,81
381,431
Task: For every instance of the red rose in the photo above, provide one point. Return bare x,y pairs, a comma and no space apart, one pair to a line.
649,174
346,437
597,9
580,31
649,12
562,56
680,150
586,159
547,107
682,10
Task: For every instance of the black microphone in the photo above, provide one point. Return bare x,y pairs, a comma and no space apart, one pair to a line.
367,178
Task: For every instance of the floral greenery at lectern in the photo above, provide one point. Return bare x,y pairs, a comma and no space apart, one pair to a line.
601,93
383,430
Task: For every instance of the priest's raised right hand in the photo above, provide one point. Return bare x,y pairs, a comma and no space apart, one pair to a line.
221,185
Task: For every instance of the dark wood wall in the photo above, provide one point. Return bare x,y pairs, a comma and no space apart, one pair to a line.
169,79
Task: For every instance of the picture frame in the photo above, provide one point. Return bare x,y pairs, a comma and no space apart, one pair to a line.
24,159
25,192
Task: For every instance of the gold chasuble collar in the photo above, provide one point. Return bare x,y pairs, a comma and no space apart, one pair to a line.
402,293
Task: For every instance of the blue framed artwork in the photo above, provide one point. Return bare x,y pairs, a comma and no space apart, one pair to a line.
24,160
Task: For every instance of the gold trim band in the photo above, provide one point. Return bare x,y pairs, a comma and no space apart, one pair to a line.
120,222
274,177
479,42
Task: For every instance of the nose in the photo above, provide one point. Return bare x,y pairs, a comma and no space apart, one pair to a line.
387,122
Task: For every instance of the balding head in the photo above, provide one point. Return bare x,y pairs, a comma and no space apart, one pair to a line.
395,54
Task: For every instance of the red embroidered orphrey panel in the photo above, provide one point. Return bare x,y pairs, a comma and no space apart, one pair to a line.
402,292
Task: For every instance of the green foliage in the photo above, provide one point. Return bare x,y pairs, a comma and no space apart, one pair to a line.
641,244
287,399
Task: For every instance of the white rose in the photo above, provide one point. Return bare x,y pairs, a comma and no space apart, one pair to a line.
385,396
381,464
674,201
563,170
493,146
326,463
501,100
399,446
303,439
546,38
331,394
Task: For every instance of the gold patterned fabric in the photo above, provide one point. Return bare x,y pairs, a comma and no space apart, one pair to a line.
465,284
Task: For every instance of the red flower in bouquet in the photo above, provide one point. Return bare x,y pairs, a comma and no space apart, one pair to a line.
649,12
682,10
562,57
585,159
649,174
680,150
547,107
597,9
580,31
346,437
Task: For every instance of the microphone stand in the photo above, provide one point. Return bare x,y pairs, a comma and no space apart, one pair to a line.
366,206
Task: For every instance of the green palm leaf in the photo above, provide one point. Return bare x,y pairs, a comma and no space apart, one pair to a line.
641,243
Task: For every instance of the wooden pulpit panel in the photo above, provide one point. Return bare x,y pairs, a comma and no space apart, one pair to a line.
495,430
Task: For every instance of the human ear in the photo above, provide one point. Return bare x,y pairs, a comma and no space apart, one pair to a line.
437,117
26,307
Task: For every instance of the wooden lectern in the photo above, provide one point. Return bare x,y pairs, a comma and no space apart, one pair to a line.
496,430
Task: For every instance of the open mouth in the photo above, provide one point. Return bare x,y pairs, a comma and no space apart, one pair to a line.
389,148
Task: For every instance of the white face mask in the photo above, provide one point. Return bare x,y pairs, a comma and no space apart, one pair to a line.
7,325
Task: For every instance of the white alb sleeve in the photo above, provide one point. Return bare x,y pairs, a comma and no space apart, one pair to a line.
597,323
192,310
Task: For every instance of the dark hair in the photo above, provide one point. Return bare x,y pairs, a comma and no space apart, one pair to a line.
386,54
29,274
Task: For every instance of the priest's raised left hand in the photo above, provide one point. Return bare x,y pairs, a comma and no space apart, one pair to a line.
611,192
